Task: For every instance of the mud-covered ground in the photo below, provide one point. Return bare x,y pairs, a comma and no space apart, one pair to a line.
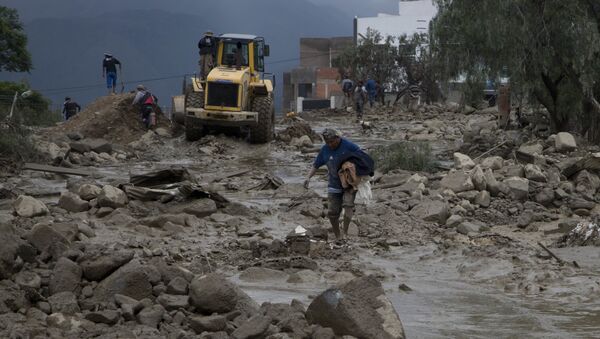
474,269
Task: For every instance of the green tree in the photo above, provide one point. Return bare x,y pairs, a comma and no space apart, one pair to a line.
14,56
550,48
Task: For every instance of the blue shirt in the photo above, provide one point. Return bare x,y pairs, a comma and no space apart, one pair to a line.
328,157
371,86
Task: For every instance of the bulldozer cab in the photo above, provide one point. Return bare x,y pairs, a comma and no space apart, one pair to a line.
241,50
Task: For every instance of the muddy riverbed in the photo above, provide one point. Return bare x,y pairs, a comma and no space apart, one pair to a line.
442,284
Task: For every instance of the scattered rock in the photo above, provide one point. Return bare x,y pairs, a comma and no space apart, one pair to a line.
173,302
65,277
478,178
458,181
467,227
565,142
463,161
72,202
454,220
47,239
178,286
534,148
261,274
534,173
151,316
358,308
483,199
100,265
112,197
28,279
493,163
29,207
108,317
64,302
213,323
518,188
254,327
132,280
89,192
213,293
201,208
431,210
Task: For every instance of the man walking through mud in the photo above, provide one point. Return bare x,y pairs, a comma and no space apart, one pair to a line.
332,154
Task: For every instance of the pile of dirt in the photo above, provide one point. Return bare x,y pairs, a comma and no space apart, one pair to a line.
297,130
112,118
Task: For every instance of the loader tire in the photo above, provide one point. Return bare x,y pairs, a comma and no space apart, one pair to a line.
193,130
194,100
263,131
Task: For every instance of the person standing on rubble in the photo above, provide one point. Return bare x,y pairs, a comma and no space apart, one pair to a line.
70,108
360,96
206,46
371,87
334,154
109,70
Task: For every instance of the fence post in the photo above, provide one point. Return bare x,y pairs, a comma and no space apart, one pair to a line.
12,107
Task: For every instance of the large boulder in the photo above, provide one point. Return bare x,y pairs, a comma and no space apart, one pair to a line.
517,188
431,210
49,240
359,308
213,293
112,197
565,142
71,202
458,181
463,161
29,207
12,247
133,280
99,265
66,277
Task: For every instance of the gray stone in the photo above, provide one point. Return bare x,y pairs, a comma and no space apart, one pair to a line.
514,171
64,302
586,182
108,317
71,202
458,181
201,208
89,192
29,207
525,219
359,308
47,239
323,333
254,327
575,204
467,227
454,220
492,184
112,197
534,148
494,163
261,274
98,145
213,293
100,265
213,323
178,286
478,178
87,230
79,147
565,142
132,280
545,197
28,279
414,183
463,161
151,316
518,188
65,277
173,302
534,173
12,247
483,199
431,210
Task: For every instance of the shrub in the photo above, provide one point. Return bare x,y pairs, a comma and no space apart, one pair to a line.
410,156
16,146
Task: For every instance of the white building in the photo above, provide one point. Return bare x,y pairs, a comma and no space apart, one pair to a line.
413,17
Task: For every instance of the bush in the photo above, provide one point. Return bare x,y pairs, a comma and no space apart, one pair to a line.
34,110
410,156
16,146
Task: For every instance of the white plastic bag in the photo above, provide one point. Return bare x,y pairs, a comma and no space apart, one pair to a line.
365,194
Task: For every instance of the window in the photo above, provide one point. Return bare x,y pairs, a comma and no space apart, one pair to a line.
230,53
259,57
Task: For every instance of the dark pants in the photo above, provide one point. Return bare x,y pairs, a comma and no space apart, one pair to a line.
337,201
146,112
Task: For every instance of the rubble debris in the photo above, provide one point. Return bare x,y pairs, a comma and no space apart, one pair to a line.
54,169
161,177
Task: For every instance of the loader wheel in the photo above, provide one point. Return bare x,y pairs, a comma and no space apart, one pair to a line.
194,100
263,131
193,130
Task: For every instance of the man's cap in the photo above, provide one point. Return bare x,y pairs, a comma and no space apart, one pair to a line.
330,134
208,32
141,87
67,98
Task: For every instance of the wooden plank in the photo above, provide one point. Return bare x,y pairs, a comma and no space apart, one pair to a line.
54,169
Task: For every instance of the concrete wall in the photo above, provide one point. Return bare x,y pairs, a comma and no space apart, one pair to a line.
320,52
